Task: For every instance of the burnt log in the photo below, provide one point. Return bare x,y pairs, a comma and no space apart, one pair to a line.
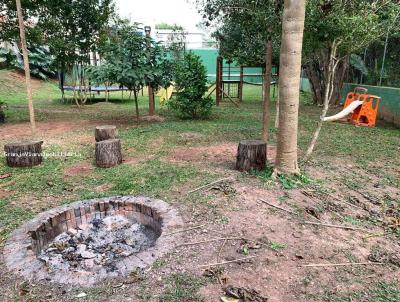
108,153
106,132
251,154
23,154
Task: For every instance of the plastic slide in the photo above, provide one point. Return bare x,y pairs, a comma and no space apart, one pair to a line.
345,112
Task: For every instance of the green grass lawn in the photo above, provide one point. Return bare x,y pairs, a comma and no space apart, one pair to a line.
368,153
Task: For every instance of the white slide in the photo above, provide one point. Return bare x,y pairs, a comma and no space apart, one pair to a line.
345,112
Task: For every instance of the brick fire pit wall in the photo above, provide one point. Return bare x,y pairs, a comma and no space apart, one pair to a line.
25,243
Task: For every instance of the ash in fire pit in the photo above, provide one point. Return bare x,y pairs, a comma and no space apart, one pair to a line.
101,243
92,240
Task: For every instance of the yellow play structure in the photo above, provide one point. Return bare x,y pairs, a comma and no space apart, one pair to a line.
166,94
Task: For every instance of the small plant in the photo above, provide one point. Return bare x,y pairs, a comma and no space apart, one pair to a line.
276,246
222,220
265,174
191,85
291,182
351,220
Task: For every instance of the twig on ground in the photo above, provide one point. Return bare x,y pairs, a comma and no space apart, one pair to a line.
186,230
333,197
336,226
371,199
207,185
277,207
227,262
220,249
376,235
211,240
341,264
345,202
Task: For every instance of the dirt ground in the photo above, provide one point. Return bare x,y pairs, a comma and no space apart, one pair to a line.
277,243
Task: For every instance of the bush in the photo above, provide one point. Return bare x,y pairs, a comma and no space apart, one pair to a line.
191,85
40,61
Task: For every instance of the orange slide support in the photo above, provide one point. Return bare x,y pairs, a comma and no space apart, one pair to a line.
366,114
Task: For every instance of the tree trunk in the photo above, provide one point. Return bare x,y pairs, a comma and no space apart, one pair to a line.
2,117
241,79
24,154
277,112
316,83
267,90
108,153
103,133
317,75
218,81
135,95
26,66
339,79
152,103
289,86
251,154
330,76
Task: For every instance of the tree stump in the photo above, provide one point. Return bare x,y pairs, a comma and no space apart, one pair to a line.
23,154
2,117
108,153
252,154
106,132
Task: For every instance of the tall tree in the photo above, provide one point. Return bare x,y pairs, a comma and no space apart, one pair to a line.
289,88
248,32
70,29
133,61
344,27
26,65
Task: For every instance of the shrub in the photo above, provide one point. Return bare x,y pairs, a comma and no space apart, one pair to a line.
191,85
40,61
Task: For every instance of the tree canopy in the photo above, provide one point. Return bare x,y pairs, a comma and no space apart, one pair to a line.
132,60
71,29
243,27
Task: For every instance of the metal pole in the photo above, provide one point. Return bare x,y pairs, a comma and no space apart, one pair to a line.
384,57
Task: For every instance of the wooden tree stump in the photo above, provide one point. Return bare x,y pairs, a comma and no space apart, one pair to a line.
252,154
106,132
23,154
108,153
2,117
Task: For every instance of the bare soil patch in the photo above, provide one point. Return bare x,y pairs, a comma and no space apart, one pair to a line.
6,193
18,78
103,188
284,245
83,168
223,153
44,129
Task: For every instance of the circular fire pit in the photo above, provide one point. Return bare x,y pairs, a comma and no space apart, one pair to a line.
89,241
